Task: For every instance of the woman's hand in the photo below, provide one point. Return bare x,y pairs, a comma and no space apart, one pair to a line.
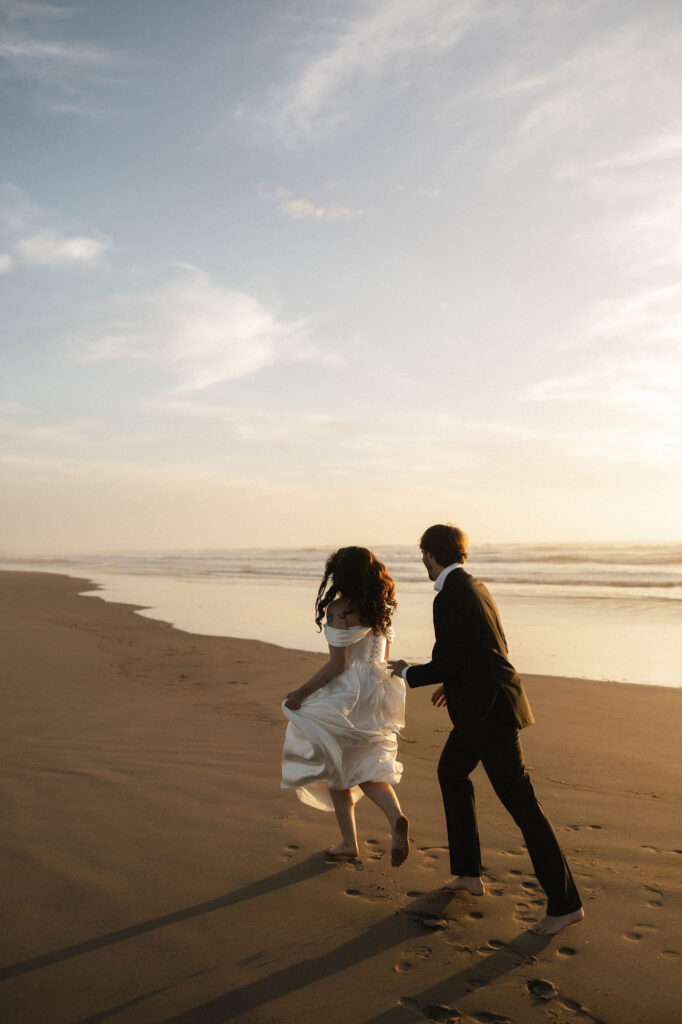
294,700
438,697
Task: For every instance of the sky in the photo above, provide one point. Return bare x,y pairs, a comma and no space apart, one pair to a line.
318,272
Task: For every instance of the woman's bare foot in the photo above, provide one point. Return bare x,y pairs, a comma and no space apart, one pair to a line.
400,846
342,851
552,925
468,883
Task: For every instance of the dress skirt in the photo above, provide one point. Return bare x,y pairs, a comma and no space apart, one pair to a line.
345,734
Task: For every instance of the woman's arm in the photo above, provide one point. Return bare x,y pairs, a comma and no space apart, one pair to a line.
338,657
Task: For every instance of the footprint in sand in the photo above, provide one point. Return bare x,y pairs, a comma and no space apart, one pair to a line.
370,892
374,850
542,989
566,951
485,1017
475,915
407,960
432,922
579,1010
430,856
640,931
348,865
524,914
655,896
440,1013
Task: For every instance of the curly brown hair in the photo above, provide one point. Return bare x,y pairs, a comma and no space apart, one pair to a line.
358,575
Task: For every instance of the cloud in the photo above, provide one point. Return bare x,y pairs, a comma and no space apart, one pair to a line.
384,38
629,355
64,75
201,332
420,190
645,321
303,209
37,238
622,83
648,150
48,249
20,10
655,385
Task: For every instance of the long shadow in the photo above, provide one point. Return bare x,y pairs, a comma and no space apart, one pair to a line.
306,869
113,1011
403,926
437,1002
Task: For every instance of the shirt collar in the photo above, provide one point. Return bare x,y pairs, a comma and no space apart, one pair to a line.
438,584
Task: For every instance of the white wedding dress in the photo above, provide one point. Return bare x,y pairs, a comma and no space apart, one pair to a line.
345,732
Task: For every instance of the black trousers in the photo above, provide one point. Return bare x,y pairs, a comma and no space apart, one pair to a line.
495,742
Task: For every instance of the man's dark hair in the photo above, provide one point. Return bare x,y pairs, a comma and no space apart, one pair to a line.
446,543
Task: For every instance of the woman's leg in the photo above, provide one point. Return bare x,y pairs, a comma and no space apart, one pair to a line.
345,816
383,795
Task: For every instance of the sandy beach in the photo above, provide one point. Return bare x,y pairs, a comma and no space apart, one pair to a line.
153,870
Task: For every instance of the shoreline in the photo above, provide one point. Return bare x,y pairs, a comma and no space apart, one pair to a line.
154,871
573,638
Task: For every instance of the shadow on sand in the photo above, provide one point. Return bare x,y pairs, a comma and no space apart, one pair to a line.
308,868
402,926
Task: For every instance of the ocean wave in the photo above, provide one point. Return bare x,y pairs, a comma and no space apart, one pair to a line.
622,568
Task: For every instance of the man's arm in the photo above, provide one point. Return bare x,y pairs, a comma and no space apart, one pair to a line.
445,650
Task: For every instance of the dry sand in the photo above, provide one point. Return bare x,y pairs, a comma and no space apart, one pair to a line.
154,871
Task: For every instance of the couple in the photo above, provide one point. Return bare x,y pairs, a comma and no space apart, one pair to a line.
341,741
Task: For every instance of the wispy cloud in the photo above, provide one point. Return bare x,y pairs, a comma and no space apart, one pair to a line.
385,37
602,91
422,191
654,385
23,10
649,150
629,354
200,332
63,74
51,250
303,209
40,238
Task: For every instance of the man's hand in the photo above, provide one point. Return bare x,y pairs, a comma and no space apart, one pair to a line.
438,697
293,701
397,667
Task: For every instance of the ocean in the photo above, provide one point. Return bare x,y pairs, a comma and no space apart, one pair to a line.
588,611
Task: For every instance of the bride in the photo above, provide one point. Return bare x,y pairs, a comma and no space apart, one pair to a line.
341,737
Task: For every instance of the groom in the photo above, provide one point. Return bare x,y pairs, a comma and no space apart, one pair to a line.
488,706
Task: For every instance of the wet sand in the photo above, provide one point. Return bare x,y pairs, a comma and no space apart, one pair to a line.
154,871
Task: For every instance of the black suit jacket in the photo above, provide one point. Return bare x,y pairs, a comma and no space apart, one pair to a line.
470,656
